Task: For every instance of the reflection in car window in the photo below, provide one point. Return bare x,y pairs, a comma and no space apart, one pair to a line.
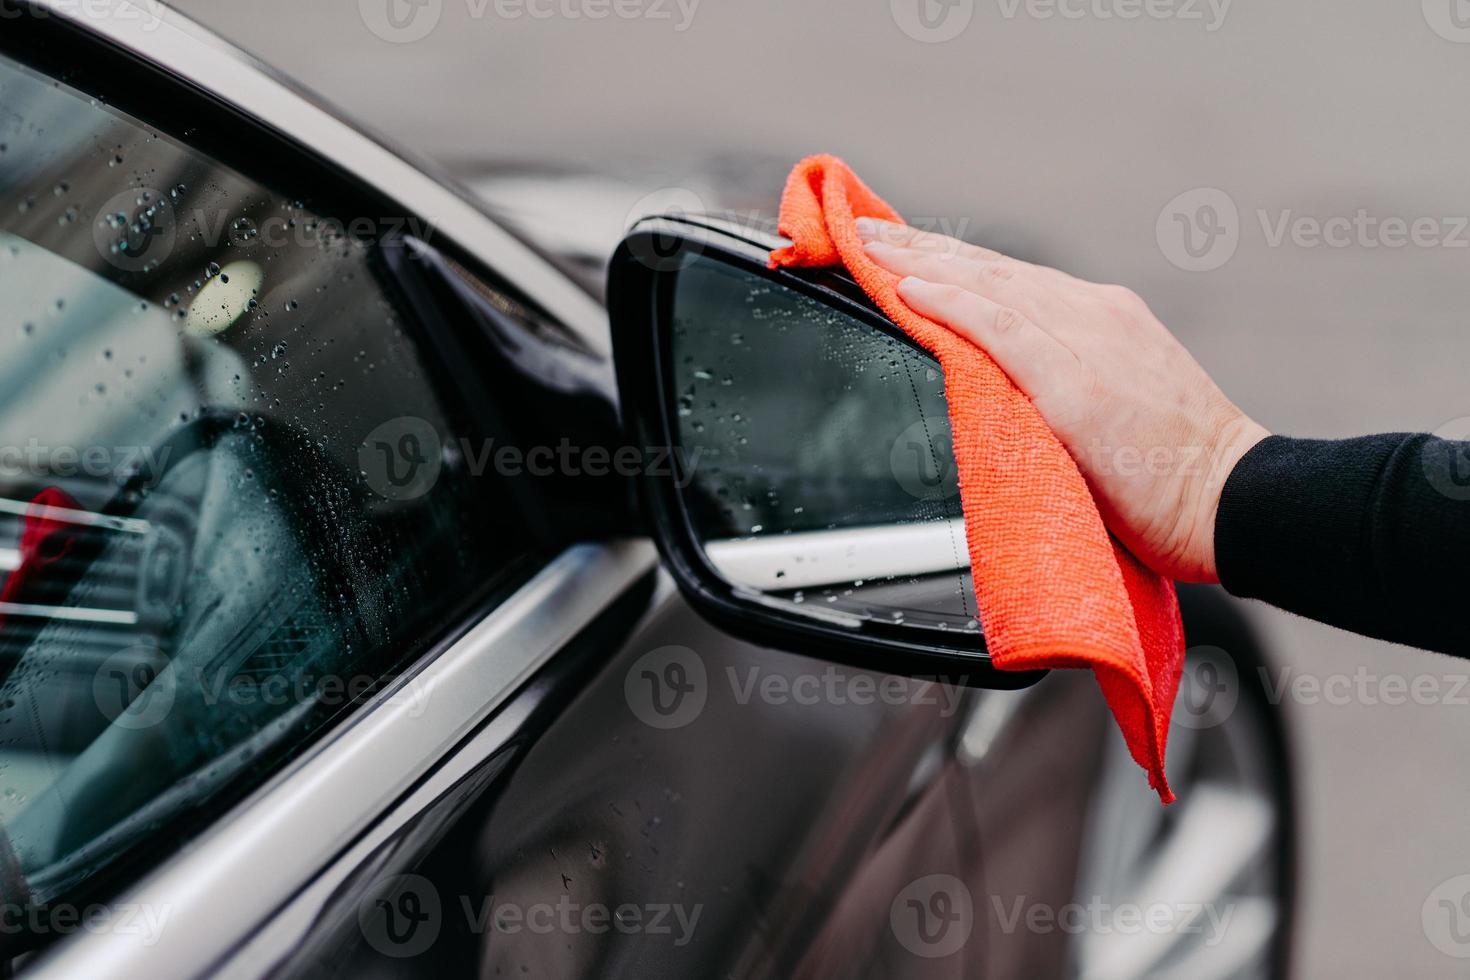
224,511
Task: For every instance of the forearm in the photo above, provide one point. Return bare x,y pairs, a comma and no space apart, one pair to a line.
1370,534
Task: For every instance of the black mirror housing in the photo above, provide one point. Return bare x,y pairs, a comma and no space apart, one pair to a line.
876,536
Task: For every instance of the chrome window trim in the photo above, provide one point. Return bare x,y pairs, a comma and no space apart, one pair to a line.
172,41
243,869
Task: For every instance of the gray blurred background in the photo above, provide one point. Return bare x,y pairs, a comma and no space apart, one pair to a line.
1066,139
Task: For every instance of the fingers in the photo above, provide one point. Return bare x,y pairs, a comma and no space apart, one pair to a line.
1006,283
1036,361
902,236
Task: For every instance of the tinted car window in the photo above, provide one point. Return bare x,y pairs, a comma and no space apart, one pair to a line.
228,509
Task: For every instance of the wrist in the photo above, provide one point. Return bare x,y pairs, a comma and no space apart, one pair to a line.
1237,437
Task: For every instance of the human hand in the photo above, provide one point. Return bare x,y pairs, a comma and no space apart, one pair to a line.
1152,434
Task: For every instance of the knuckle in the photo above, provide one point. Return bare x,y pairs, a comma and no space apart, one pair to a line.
1122,298
997,273
1008,320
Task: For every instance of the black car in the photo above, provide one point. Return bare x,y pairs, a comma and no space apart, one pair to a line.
335,640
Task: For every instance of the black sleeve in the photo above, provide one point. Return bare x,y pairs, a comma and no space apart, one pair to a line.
1369,534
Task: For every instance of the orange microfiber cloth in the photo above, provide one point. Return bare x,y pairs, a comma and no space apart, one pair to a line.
1053,587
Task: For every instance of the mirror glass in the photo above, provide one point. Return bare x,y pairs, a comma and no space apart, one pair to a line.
817,465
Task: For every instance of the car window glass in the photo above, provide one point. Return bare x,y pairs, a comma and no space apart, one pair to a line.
227,511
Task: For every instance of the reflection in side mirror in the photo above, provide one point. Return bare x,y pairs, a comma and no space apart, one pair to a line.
822,474
814,500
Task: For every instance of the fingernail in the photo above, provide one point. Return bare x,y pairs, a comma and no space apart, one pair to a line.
876,246
910,282
867,229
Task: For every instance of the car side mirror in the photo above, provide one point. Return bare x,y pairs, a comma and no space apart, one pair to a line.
811,500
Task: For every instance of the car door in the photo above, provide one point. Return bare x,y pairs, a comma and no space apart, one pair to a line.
240,503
